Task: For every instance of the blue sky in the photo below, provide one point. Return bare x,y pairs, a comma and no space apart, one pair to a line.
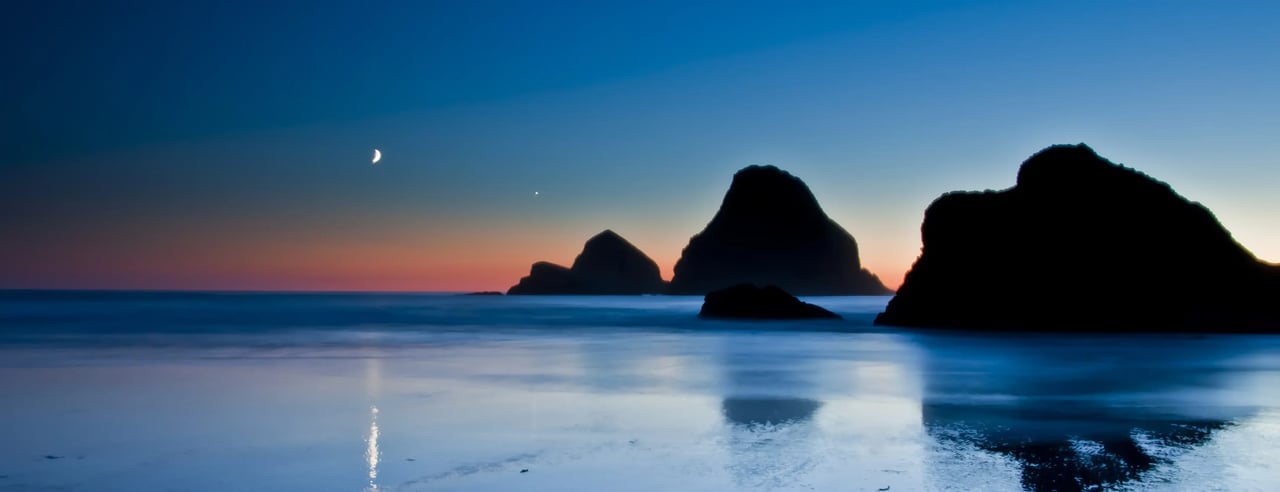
193,144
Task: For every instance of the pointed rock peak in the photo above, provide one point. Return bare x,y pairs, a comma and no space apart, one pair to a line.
608,264
1067,151
608,236
609,243
756,170
770,229
757,186
1072,168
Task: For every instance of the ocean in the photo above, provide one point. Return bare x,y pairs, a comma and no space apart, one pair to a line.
152,391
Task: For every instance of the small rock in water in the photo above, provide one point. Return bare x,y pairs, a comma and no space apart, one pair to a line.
761,303
524,470
410,459
52,457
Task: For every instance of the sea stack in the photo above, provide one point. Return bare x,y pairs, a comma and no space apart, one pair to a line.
770,230
1082,244
608,265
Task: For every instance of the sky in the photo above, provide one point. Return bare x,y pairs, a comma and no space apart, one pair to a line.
227,145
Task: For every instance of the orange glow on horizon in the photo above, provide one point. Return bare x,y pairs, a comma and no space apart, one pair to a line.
369,269
460,260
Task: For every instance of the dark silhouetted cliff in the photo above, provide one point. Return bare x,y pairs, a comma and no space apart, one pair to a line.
608,264
770,230
1082,244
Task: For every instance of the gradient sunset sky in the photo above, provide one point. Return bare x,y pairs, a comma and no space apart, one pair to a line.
226,145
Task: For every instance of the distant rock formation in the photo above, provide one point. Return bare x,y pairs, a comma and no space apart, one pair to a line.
546,278
770,230
750,302
608,265
1082,244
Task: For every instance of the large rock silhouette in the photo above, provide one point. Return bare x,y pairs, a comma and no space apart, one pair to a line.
770,230
608,264
1082,244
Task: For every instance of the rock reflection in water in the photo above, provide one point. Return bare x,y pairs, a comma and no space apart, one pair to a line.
768,417
770,440
1065,450
751,412
1068,417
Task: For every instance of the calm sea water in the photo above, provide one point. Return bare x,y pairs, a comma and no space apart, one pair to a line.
351,392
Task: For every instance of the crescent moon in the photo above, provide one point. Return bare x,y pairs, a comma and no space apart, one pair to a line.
377,156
